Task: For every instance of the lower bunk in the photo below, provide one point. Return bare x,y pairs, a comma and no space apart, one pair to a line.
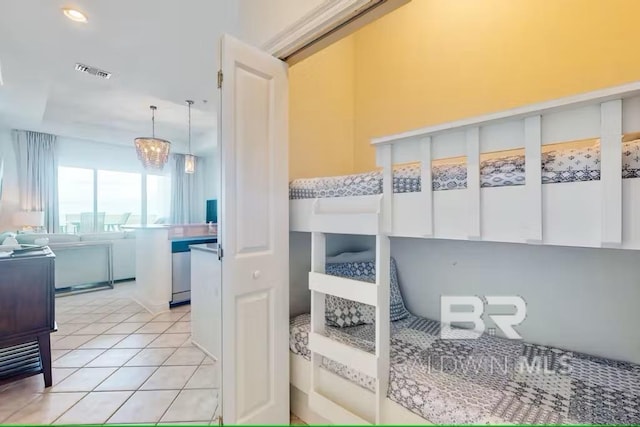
470,381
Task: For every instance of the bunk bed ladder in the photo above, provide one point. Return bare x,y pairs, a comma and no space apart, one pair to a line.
374,365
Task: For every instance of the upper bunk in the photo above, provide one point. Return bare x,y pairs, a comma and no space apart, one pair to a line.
560,172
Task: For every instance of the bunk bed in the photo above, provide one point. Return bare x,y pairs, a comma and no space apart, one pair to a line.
485,380
555,173
560,173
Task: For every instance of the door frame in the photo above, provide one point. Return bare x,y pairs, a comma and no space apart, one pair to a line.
326,24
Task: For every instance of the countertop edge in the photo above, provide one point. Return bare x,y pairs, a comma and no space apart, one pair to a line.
205,247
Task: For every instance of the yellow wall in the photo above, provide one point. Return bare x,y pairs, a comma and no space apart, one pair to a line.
433,61
321,113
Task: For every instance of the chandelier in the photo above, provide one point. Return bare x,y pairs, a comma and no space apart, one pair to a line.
189,159
153,152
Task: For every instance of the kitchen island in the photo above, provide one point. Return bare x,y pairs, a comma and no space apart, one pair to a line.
155,275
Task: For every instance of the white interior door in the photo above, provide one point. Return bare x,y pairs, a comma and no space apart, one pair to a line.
254,235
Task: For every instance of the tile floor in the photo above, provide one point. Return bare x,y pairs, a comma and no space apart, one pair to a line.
115,363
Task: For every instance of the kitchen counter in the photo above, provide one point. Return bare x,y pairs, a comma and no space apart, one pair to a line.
176,231
155,261
206,300
205,247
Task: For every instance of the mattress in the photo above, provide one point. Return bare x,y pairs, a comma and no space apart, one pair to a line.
488,379
561,165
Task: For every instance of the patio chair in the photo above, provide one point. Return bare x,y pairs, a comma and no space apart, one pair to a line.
87,224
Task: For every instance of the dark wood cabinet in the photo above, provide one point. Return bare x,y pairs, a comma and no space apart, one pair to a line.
27,315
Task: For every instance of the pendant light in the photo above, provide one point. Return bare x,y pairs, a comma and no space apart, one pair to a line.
153,152
189,159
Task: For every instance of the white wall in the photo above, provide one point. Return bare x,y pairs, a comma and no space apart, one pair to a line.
260,20
211,177
82,153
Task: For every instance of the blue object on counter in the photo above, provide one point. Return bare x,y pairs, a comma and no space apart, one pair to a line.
212,211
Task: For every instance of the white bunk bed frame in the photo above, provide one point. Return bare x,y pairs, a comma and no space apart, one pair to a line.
550,214
553,214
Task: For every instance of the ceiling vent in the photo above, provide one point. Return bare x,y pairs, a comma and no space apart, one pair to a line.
93,71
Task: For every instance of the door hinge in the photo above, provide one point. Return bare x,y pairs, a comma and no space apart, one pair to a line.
220,79
220,252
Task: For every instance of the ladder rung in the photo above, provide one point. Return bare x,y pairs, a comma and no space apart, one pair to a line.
350,215
354,290
346,223
338,415
352,357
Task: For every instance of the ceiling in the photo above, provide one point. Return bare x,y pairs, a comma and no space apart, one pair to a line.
160,53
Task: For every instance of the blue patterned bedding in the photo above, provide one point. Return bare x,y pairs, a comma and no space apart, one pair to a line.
488,379
562,165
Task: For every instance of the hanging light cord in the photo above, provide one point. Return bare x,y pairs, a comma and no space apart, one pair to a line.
189,102
153,121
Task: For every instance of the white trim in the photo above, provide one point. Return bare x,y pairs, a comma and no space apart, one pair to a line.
610,167
533,179
602,95
331,215
383,332
204,350
385,160
313,25
326,24
426,178
473,182
152,307
339,415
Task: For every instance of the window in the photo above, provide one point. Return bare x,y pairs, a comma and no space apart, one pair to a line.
158,199
92,200
75,197
119,199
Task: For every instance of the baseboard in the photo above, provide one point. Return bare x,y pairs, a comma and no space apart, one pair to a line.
195,343
78,289
153,308
299,404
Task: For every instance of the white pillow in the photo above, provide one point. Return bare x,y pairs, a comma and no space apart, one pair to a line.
369,255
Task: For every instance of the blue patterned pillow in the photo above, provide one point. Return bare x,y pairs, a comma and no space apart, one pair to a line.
342,313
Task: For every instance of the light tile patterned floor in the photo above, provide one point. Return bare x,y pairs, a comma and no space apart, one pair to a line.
115,363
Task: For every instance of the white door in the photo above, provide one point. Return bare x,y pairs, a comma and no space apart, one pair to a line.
254,235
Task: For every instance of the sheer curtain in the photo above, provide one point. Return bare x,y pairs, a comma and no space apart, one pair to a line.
187,192
37,159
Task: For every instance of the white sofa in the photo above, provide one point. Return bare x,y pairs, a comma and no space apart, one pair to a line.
83,259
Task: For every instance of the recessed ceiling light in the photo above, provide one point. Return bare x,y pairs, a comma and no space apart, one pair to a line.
75,15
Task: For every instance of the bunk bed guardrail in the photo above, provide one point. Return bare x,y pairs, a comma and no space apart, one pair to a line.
590,213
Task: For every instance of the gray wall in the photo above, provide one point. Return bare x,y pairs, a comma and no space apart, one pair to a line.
300,264
580,299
